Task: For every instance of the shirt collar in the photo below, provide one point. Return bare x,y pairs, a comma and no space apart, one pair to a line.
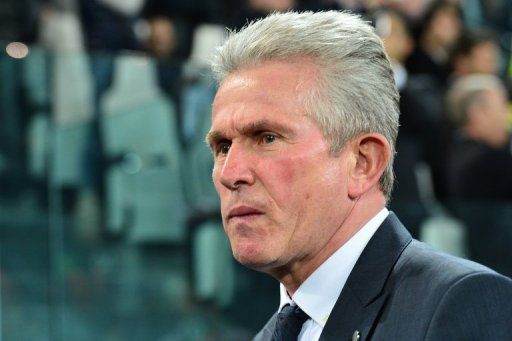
318,294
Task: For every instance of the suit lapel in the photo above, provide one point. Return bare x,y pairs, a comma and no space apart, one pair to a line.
362,297
266,333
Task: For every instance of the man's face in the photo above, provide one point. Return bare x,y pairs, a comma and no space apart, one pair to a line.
445,26
484,58
283,195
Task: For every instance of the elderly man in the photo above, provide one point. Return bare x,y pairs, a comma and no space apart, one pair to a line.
480,160
303,131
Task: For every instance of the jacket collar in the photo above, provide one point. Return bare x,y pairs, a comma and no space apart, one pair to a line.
362,297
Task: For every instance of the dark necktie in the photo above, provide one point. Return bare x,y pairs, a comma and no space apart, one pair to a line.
289,323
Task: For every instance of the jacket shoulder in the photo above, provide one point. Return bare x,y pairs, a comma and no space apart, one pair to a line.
477,306
421,258
451,297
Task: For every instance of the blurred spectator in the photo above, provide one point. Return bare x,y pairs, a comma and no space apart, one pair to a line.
476,51
393,28
169,44
109,24
109,27
495,15
392,24
163,39
421,119
480,161
438,33
480,167
171,25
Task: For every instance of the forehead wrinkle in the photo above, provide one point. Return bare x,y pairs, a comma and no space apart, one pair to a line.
307,78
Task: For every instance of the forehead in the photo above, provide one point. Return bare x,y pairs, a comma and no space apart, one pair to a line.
271,88
266,79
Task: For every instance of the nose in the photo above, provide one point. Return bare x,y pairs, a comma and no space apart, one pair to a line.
237,168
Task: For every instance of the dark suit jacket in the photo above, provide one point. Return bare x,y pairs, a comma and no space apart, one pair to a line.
401,289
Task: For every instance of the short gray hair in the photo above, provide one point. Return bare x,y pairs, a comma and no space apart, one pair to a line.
466,91
356,92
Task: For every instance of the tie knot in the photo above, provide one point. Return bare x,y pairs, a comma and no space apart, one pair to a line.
289,323
293,312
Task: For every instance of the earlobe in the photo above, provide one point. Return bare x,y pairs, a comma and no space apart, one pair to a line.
372,154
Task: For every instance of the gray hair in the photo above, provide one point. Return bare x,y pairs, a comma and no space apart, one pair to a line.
356,92
466,91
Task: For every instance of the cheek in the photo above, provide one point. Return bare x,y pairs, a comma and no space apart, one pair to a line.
283,170
293,179
282,189
281,176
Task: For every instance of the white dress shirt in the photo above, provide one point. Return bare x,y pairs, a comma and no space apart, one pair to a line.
318,293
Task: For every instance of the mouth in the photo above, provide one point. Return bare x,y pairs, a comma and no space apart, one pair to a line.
244,213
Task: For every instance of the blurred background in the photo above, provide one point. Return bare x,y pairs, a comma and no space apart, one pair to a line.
109,223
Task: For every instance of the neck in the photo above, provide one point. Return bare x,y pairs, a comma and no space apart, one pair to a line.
363,210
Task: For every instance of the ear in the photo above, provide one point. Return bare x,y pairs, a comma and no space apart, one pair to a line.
372,154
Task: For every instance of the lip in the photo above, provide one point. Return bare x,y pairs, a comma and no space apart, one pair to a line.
243,212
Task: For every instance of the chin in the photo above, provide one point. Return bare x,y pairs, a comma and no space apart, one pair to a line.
253,257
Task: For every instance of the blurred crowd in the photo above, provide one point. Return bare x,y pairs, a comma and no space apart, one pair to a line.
104,123
450,67
451,60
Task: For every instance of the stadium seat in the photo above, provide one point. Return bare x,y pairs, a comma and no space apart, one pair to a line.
143,183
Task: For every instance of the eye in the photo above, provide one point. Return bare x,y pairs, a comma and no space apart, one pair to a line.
223,148
267,138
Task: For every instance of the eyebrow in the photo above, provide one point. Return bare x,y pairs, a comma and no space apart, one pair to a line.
250,129
213,137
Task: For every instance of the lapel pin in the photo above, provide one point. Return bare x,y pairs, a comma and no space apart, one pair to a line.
356,336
